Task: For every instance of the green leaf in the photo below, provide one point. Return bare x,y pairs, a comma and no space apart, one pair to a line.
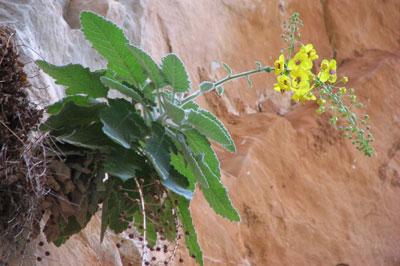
218,199
215,193
122,123
148,66
206,86
220,90
116,85
174,112
151,234
67,229
90,137
191,106
190,232
179,163
111,43
72,117
228,69
78,100
212,128
122,163
158,148
191,161
175,73
200,146
76,78
119,205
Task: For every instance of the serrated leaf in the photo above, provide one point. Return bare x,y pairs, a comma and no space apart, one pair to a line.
191,106
116,85
119,201
90,137
151,234
72,117
191,161
110,42
122,123
67,229
206,86
78,100
158,148
211,128
191,237
122,163
76,78
179,164
218,199
148,66
174,112
200,146
175,73
215,193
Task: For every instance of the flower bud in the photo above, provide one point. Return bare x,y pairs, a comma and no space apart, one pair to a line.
345,80
342,90
321,101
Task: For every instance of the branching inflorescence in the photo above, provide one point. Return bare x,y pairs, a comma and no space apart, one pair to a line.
154,140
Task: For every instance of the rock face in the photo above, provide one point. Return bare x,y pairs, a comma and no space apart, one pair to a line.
306,197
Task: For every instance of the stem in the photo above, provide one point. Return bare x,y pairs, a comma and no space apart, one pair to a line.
144,220
198,93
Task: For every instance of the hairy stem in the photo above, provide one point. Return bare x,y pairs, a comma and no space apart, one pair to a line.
198,93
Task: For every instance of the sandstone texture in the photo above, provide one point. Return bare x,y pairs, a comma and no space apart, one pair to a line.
306,196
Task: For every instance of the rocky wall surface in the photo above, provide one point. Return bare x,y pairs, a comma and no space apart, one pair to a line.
306,197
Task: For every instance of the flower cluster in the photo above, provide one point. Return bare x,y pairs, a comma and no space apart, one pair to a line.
295,75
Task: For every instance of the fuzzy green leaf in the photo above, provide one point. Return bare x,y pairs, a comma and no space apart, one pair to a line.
206,86
111,43
201,146
122,123
90,137
215,193
76,78
191,161
212,128
191,237
122,163
179,163
78,100
148,65
72,117
176,113
158,149
119,201
175,73
219,201
116,85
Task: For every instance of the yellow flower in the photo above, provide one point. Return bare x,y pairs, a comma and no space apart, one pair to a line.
300,78
279,65
303,95
345,80
310,51
300,60
328,71
283,83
